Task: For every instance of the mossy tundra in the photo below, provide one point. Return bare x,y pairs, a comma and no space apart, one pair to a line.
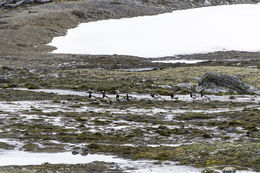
134,129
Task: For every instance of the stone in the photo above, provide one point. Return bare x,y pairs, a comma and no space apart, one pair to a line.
229,170
230,129
213,82
165,86
207,3
208,170
15,3
185,85
93,146
75,152
83,151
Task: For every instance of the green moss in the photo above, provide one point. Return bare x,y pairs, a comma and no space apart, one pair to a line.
31,147
6,146
112,80
163,91
163,130
101,122
203,154
236,123
31,86
190,116
9,86
81,119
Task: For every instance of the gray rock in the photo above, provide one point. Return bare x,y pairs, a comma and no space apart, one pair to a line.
207,3
230,129
81,151
214,89
240,76
207,170
165,86
16,3
75,152
229,170
197,78
185,85
218,83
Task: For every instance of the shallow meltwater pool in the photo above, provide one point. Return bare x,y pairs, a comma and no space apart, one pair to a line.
185,61
200,30
8,158
27,158
136,96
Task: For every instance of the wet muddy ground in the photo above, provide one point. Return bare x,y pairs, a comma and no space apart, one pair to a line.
194,132
45,105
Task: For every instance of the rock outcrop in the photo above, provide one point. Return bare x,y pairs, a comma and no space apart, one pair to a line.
229,170
16,3
185,85
213,82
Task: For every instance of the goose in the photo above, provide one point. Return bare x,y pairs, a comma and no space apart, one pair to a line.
155,96
127,97
201,93
172,95
104,94
90,94
193,96
117,94
204,97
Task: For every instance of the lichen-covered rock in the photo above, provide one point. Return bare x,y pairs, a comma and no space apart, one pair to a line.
219,83
229,170
207,170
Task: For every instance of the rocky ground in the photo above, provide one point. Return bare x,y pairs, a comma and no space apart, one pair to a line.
45,104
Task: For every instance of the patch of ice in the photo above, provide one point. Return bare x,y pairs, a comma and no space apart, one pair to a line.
118,127
27,158
56,91
185,61
137,69
168,145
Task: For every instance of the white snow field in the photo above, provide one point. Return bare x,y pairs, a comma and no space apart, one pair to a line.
199,30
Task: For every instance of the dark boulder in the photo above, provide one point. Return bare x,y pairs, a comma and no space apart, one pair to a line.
213,82
75,152
82,151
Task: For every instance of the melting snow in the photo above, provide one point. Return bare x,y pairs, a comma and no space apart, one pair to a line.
200,30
